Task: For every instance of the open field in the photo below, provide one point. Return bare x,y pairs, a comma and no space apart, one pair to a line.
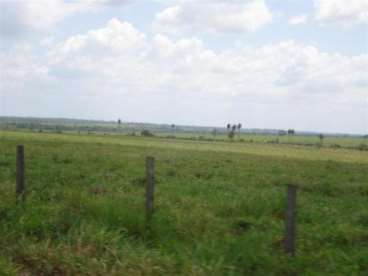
111,128
219,207
308,140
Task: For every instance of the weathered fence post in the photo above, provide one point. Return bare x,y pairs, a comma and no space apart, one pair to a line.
290,220
21,181
150,186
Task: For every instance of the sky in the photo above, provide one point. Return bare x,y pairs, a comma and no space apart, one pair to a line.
299,64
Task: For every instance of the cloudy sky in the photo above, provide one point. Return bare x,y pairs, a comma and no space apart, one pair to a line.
299,64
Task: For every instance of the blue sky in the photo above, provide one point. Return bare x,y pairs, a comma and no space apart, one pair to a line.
265,63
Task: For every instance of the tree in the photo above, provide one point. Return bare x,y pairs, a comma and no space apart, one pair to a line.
173,129
291,132
231,130
321,137
239,126
231,135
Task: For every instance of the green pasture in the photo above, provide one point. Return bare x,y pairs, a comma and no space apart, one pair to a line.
219,207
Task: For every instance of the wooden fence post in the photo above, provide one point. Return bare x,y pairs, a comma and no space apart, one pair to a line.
20,181
290,221
150,186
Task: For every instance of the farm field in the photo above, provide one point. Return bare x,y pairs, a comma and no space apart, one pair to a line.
219,207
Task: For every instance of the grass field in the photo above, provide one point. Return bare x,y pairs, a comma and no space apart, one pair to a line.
219,207
328,141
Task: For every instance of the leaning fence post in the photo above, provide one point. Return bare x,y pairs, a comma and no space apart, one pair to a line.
21,181
150,186
290,220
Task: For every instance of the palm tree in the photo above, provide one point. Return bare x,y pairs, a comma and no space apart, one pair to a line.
239,127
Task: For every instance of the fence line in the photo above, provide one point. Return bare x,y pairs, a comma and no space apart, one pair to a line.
290,216
20,189
150,186
290,221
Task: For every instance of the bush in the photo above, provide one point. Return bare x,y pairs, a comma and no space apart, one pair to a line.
147,133
363,147
335,146
276,141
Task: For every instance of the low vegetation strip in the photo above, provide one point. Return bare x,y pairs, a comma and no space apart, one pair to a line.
277,150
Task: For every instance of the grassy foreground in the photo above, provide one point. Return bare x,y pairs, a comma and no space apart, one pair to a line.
219,208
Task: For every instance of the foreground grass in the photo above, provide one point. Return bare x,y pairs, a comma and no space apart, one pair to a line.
219,208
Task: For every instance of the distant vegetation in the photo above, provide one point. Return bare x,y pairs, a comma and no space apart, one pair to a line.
234,132
147,133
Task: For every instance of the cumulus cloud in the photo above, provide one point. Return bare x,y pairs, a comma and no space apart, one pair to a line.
115,36
20,64
341,11
299,19
118,68
213,16
285,64
18,18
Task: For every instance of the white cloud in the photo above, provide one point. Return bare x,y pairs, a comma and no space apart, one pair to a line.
214,16
341,11
26,16
299,19
110,2
118,71
20,66
22,17
116,35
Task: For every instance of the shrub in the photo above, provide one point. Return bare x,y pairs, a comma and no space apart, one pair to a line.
335,146
147,133
363,147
